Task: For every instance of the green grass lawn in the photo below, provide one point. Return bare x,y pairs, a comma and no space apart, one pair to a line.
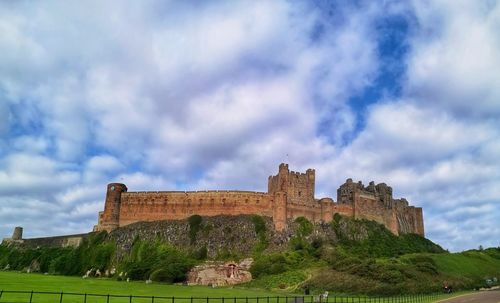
47,283
163,293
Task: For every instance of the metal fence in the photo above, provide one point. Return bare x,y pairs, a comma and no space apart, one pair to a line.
14,296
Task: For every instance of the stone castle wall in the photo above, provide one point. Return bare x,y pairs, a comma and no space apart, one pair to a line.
155,206
375,202
57,241
290,195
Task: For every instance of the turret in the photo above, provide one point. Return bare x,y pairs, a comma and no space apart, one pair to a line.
311,180
111,214
18,233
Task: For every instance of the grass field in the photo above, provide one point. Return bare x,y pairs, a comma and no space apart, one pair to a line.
49,283
149,293
473,264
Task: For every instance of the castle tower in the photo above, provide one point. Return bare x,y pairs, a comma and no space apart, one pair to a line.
277,187
311,182
326,209
279,211
346,192
111,215
299,187
18,233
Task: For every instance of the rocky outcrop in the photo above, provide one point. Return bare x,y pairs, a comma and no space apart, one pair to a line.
222,236
216,273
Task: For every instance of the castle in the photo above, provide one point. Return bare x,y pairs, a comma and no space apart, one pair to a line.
290,195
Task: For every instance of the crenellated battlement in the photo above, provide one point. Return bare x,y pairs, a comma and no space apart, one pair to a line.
290,195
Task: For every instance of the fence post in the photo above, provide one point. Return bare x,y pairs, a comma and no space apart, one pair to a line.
173,300
107,298
60,298
84,298
130,299
31,297
1,293
152,299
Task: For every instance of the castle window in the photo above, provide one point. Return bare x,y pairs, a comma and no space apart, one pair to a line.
246,200
258,201
299,193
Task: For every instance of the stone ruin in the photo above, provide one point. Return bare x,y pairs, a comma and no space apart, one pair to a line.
217,273
17,236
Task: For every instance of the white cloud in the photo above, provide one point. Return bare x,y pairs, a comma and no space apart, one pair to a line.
166,96
455,60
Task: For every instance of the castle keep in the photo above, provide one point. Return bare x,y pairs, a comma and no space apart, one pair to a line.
290,195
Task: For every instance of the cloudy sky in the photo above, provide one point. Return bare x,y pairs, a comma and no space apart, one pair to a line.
187,95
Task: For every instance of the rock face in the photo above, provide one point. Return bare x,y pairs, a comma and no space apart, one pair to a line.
220,235
290,195
215,273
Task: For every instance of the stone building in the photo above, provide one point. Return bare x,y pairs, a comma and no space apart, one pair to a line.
290,195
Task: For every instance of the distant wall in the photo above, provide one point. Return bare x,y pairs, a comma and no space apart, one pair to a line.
58,241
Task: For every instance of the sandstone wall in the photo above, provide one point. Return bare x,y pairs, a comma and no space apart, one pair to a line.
290,195
175,205
369,208
312,212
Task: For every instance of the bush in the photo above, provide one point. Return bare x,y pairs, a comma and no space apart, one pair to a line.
158,262
260,231
201,253
305,226
268,265
194,226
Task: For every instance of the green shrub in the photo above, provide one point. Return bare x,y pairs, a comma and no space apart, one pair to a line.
260,231
157,261
201,253
194,226
305,226
268,265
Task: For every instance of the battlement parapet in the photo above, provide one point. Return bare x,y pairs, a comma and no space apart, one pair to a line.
193,191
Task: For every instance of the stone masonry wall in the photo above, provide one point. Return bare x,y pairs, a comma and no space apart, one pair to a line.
155,206
290,195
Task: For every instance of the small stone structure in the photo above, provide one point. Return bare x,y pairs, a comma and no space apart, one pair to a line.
17,236
18,233
220,273
290,195
57,241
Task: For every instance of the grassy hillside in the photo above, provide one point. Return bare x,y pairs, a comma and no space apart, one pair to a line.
476,265
368,259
